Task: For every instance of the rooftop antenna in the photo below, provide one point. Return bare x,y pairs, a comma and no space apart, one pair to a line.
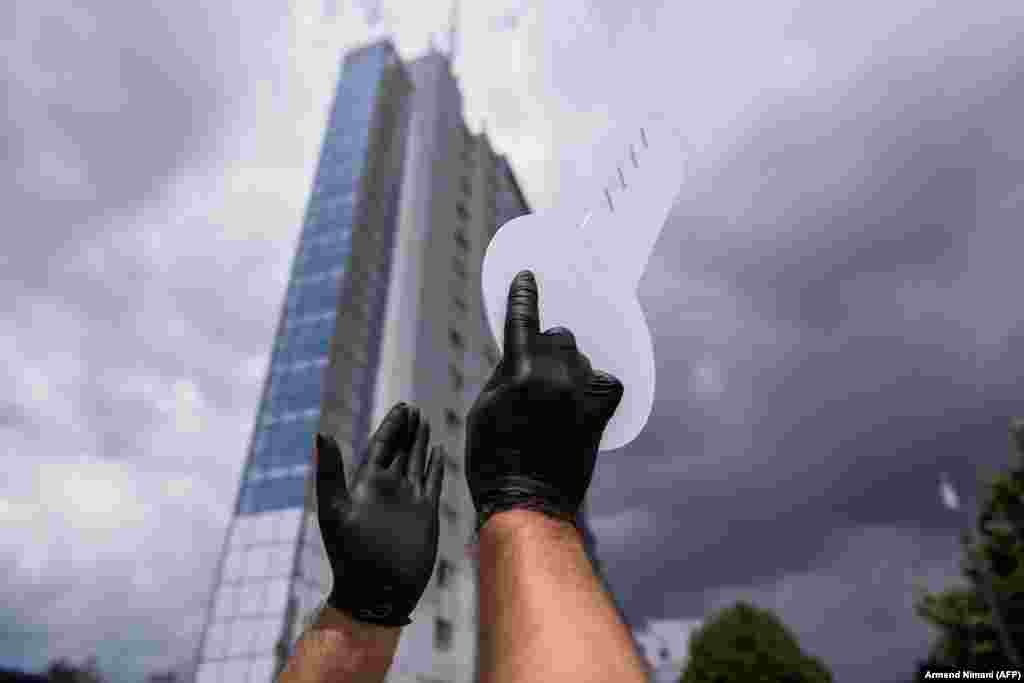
453,28
373,13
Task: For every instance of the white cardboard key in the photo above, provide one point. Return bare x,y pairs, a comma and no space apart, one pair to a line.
588,268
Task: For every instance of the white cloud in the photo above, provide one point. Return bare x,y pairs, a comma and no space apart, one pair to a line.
185,406
17,512
615,531
180,487
95,498
708,377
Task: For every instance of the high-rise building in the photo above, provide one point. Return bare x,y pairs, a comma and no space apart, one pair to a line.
383,305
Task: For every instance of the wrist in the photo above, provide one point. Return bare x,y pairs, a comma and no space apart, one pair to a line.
364,642
519,524
336,646
364,611
338,620
519,493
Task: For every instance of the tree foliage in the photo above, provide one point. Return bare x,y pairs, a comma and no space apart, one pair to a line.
168,676
969,635
749,644
64,671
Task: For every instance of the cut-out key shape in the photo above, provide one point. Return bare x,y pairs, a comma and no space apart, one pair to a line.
588,266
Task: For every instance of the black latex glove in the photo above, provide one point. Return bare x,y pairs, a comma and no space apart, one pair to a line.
381,534
532,435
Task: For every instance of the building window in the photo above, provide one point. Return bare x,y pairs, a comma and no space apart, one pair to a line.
456,339
444,572
457,380
442,634
452,419
462,240
460,268
449,510
462,211
460,304
467,188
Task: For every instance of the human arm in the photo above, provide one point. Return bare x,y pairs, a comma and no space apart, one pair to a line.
380,535
544,615
339,648
532,441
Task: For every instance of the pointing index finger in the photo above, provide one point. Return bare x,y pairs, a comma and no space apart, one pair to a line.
522,318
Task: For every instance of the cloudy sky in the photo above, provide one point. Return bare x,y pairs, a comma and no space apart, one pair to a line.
831,299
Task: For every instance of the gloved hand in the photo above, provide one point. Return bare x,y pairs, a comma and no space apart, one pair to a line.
533,434
381,534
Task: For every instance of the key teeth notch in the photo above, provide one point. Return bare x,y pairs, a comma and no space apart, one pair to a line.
611,188
622,176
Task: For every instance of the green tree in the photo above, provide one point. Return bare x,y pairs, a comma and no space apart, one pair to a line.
971,633
168,676
64,671
749,644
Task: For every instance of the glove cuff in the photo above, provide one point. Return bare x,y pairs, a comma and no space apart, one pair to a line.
380,613
524,494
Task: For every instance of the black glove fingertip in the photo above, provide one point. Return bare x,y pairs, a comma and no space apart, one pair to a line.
321,449
329,460
326,442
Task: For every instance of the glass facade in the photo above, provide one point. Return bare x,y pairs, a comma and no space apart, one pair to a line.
262,582
387,184
289,413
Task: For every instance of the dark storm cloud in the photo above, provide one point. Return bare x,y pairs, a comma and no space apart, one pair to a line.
104,103
860,241
909,207
135,325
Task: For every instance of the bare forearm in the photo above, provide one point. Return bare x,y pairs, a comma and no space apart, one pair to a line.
340,649
544,615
